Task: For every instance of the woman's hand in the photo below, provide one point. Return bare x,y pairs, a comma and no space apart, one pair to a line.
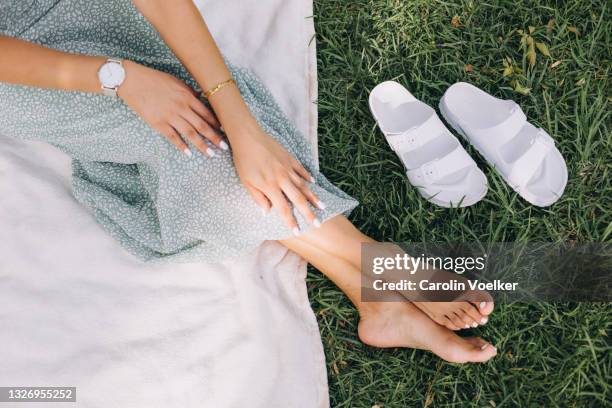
274,177
172,108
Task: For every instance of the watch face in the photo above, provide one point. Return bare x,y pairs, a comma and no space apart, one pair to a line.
111,75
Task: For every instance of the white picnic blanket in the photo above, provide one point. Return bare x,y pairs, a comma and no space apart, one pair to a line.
76,310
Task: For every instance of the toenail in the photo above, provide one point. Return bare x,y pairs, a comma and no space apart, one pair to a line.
484,346
467,326
474,324
483,305
484,320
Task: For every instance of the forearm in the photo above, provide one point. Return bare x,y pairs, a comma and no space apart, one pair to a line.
183,29
30,64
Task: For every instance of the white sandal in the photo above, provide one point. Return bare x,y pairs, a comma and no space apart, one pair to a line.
525,156
435,161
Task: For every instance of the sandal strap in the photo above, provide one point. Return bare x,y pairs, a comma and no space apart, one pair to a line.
435,170
525,166
417,136
489,139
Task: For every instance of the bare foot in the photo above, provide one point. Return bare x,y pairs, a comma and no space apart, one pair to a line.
400,324
469,309
448,300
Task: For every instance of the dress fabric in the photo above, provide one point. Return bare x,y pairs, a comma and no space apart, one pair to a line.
158,203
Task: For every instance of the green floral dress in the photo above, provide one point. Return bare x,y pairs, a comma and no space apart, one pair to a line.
157,202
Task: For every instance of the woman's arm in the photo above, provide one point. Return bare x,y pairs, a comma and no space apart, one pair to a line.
24,63
266,169
181,26
161,100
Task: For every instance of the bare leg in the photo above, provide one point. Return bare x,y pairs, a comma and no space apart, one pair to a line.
392,324
339,238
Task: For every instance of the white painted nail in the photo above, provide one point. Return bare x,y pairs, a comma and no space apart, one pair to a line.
316,223
484,346
221,129
188,152
210,152
312,180
483,305
223,145
321,205
467,326
474,324
484,320
296,231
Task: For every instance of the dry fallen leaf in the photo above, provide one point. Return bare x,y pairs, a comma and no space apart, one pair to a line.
555,64
531,54
376,406
573,30
550,26
492,403
531,29
523,90
456,21
580,82
469,68
543,48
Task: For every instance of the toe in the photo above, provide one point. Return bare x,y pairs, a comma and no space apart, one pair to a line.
456,321
484,349
485,307
466,320
479,350
446,322
474,315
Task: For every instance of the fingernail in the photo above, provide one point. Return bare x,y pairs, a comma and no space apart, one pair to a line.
484,320
312,180
483,305
484,346
316,223
296,231
223,145
321,205
474,324
467,326
188,152
210,152
221,129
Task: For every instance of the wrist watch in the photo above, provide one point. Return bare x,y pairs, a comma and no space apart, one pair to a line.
111,75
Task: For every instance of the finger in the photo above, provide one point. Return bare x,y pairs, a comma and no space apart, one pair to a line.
280,203
299,201
260,198
189,132
305,189
203,128
206,114
175,138
299,169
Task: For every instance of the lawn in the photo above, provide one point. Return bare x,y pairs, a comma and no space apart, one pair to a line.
549,355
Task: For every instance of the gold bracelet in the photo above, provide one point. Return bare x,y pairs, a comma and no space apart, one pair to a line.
218,87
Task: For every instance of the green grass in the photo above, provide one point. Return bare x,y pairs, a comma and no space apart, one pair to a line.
550,355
